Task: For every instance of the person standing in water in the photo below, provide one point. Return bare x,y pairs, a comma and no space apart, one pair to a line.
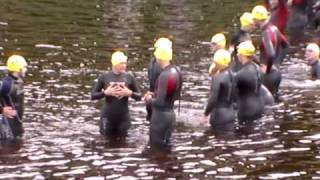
12,98
248,84
154,71
273,49
243,34
167,91
219,105
115,88
312,57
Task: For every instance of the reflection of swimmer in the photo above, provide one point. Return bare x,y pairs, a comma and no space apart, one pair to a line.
11,97
312,57
248,84
116,87
220,102
167,91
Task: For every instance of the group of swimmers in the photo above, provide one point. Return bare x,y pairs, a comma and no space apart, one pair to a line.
242,83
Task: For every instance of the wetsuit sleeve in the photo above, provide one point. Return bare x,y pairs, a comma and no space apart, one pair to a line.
97,92
285,47
215,88
136,93
161,95
270,51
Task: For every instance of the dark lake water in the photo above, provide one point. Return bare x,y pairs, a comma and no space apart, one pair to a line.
68,44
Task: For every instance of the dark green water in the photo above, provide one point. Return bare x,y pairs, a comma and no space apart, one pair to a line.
68,44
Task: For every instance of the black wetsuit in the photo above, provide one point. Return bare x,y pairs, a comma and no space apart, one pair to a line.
236,39
115,119
154,71
163,118
248,84
220,102
274,47
12,94
315,69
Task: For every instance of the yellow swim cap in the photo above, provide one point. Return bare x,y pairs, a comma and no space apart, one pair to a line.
246,48
163,53
118,57
314,47
222,58
246,19
163,42
15,63
219,39
259,13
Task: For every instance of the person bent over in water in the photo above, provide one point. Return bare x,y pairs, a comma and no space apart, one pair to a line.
312,57
248,84
116,87
12,98
168,89
154,71
220,102
273,49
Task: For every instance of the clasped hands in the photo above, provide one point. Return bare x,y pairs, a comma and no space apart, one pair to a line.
118,91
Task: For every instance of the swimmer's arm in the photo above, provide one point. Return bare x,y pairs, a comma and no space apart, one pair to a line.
213,98
161,95
136,93
97,92
270,51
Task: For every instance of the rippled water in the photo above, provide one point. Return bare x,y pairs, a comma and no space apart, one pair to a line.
69,43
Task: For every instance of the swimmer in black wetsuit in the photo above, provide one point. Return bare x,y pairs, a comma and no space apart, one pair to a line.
154,71
248,84
168,89
312,57
220,102
12,98
116,87
273,49
243,34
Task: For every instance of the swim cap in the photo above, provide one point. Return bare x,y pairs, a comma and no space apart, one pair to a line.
314,47
118,57
163,53
15,63
222,57
163,42
259,13
246,48
246,19
219,39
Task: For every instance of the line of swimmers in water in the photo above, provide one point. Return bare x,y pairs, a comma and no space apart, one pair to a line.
238,77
